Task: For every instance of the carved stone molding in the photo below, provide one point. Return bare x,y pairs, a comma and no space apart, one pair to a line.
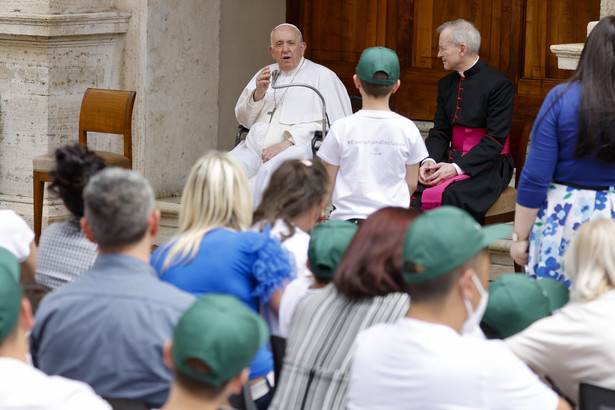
568,55
61,29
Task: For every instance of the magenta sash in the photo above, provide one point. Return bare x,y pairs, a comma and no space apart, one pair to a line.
463,140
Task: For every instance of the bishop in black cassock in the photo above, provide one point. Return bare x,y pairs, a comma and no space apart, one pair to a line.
474,99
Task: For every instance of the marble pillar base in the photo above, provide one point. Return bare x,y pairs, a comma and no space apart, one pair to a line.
568,55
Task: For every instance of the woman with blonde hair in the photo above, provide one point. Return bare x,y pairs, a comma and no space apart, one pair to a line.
575,344
213,253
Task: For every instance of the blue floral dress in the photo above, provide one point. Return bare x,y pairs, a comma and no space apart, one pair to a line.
560,215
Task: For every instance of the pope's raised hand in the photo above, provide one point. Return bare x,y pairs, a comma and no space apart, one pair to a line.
262,83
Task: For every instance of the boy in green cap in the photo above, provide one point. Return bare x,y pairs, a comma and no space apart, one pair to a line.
328,243
21,385
432,358
214,342
373,156
516,301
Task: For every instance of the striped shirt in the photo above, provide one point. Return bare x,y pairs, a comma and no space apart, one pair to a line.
321,343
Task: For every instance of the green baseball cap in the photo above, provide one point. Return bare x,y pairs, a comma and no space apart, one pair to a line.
223,333
376,59
441,240
10,293
328,243
516,301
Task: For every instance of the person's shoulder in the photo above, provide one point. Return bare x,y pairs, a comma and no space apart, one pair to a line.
322,68
233,239
565,90
299,285
52,392
394,300
324,299
486,71
450,78
252,239
158,291
346,121
58,298
490,351
63,233
74,394
379,333
403,121
8,215
323,72
56,228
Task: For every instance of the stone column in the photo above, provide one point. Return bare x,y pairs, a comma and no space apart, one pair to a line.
51,52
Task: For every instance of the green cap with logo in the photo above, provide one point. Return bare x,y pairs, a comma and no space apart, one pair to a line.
443,239
376,59
10,293
221,332
328,243
516,301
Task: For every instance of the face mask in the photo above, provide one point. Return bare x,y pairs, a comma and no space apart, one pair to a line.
470,326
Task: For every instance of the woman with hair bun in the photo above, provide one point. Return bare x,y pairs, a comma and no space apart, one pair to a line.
64,252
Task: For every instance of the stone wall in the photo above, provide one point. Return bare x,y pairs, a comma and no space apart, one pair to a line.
171,60
244,40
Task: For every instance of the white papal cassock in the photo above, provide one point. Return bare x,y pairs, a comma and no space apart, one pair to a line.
288,113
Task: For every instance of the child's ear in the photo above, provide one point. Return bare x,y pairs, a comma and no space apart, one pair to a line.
357,82
167,355
396,86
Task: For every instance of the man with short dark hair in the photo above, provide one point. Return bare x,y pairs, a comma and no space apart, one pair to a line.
469,164
21,385
213,344
107,328
433,358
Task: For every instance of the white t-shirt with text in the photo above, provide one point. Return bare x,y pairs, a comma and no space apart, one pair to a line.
371,149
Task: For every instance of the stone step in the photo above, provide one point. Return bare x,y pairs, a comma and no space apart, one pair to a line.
169,218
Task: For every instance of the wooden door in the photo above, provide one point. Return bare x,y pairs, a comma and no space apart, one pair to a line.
516,35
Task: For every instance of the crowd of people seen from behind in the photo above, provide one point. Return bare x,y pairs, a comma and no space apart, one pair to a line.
262,299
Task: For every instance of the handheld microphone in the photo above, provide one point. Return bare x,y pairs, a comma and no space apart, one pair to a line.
274,77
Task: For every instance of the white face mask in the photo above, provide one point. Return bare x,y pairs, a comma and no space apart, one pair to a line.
470,326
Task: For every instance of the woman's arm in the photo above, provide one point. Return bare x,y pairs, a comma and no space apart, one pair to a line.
524,220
